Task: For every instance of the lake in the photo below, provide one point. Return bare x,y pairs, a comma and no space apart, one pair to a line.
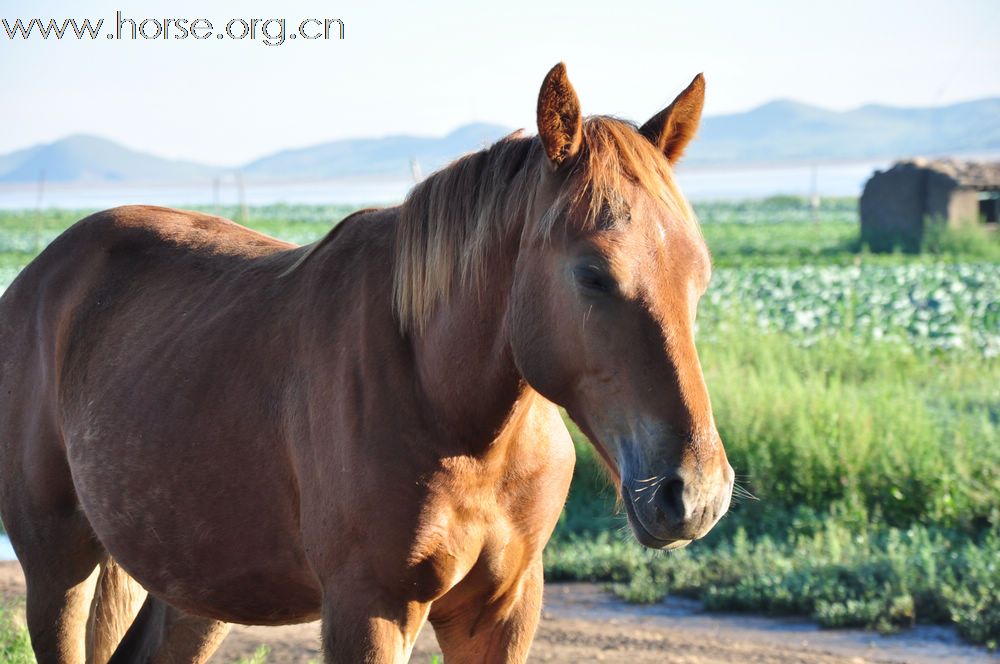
6,550
699,183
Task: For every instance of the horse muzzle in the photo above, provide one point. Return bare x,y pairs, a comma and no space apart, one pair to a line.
669,510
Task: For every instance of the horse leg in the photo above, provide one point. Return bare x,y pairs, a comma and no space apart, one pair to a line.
359,628
60,560
500,633
52,537
117,600
167,635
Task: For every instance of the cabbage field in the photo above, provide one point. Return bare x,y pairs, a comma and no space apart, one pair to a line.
936,306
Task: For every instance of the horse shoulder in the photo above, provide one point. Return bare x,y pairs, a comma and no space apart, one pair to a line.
483,530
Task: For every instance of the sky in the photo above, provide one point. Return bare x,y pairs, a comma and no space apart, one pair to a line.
429,66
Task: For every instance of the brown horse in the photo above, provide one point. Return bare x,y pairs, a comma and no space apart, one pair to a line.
363,430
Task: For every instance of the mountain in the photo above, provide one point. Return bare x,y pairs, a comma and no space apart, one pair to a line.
83,157
781,130
790,131
374,156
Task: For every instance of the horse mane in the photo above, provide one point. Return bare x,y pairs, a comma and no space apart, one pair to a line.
451,222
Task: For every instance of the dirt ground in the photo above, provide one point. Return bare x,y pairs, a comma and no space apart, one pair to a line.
582,623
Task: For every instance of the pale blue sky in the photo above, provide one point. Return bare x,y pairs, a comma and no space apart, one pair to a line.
427,66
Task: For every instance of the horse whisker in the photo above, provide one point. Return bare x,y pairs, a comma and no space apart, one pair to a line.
649,486
653,495
650,479
743,493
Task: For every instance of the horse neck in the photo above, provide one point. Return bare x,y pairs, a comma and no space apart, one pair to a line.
464,359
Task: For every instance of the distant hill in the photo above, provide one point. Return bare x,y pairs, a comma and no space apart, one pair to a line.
790,131
374,156
90,158
783,131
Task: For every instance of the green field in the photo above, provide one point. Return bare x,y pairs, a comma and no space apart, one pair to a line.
858,396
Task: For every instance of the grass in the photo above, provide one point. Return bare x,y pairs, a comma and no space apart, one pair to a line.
15,646
259,656
909,437
873,447
971,240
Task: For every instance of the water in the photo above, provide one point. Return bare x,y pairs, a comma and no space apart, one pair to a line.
6,550
699,183
353,191
741,182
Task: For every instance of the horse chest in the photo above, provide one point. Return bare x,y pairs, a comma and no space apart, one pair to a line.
479,539
467,556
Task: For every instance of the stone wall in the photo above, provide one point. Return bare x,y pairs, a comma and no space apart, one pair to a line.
892,208
963,208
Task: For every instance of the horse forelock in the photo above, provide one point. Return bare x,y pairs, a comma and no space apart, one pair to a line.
451,222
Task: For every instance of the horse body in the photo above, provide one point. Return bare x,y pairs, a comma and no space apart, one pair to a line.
364,429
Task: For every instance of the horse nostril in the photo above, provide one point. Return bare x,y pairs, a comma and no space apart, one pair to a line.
672,499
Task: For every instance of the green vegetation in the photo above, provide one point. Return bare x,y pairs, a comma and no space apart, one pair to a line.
259,656
785,231
882,578
15,647
943,306
972,240
858,399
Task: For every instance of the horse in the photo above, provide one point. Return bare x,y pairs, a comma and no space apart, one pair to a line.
202,425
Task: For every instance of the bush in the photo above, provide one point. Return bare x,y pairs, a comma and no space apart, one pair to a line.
971,240
881,578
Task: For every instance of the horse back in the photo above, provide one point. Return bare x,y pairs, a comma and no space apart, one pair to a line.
127,260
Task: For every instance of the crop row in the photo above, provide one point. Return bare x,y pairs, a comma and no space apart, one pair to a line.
934,306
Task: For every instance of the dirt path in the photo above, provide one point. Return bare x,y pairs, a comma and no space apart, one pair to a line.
581,623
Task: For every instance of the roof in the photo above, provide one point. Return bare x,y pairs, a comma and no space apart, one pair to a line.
966,173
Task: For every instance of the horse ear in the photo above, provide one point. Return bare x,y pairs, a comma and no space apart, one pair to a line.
560,123
672,129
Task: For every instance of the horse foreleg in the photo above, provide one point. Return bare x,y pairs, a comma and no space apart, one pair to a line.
359,627
58,607
498,633
61,559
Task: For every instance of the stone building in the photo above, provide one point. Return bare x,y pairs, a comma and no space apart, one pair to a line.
897,204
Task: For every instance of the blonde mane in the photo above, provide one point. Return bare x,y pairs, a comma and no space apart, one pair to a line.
451,222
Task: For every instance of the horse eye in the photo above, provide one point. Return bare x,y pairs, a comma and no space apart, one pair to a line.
593,280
